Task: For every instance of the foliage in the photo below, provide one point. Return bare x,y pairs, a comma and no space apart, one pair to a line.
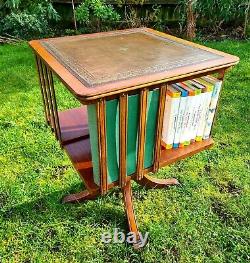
215,13
25,19
96,15
151,17
206,219
220,11
124,2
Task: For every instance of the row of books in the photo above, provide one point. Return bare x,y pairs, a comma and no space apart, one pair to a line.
189,111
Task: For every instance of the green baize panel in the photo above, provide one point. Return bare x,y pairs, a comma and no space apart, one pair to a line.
112,135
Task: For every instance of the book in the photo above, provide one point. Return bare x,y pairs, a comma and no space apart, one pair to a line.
170,116
181,113
206,94
197,107
213,104
186,127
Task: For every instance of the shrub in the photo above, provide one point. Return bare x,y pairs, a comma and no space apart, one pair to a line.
26,19
215,13
96,15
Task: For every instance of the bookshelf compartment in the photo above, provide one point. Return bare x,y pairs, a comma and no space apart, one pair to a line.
73,124
79,151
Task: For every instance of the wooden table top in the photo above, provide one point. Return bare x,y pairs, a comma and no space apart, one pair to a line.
106,63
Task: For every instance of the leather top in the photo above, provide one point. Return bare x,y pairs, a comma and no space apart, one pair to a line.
97,59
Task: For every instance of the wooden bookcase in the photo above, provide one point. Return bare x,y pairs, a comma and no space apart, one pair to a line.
100,67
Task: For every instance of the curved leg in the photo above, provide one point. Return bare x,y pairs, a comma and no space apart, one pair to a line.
78,197
129,209
151,182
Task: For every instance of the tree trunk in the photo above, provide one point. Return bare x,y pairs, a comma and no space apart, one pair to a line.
191,20
246,21
74,13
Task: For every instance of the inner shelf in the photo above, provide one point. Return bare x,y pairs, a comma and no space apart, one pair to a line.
73,124
74,129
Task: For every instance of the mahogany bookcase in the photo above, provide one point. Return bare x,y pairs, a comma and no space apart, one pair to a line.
100,67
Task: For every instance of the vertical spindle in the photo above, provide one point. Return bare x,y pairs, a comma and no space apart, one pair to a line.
221,75
123,123
54,105
42,87
101,126
158,135
142,133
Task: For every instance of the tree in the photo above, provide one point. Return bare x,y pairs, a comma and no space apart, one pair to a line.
191,20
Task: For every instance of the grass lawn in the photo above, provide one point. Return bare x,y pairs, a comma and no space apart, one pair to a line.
204,220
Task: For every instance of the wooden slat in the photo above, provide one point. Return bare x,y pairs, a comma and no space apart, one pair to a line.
220,76
101,124
123,122
49,94
161,107
47,91
43,88
54,105
142,133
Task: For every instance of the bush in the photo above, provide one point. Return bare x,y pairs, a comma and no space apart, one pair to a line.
28,19
24,25
96,15
212,13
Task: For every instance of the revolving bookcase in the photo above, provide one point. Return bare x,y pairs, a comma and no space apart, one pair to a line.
129,71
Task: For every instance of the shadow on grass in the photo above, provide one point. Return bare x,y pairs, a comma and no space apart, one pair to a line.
102,211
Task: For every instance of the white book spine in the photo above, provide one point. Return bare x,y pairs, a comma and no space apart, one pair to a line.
212,108
196,116
180,120
185,132
170,120
204,114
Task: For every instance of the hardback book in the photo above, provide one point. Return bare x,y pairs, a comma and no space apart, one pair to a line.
213,104
170,116
197,106
186,127
206,94
181,113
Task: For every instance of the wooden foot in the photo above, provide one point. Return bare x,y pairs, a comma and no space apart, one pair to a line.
151,182
129,209
78,197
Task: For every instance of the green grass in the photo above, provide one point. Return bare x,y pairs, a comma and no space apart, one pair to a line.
204,220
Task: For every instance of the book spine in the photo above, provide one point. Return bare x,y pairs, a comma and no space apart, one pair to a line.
185,132
180,119
204,114
212,109
170,121
196,116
